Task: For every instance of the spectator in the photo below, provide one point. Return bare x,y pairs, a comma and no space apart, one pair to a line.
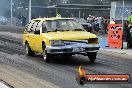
130,27
23,20
112,21
130,18
105,27
127,34
101,24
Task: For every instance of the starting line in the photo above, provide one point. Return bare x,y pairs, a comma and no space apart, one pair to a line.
5,85
2,85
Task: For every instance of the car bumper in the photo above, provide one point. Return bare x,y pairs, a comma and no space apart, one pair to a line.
72,49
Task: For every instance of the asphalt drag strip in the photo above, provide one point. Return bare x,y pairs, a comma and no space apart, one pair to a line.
61,72
4,84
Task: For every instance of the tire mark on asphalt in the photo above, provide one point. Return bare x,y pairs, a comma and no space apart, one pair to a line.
65,67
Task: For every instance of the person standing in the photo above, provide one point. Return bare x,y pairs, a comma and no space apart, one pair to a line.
129,30
126,32
130,19
24,20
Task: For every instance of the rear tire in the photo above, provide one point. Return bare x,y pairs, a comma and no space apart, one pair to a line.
92,56
29,52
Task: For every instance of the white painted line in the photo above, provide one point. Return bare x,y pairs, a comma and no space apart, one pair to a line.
2,85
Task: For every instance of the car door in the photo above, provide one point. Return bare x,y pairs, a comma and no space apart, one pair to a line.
28,33
37,37
31,35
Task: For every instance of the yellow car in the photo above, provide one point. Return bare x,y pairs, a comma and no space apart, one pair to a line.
59,36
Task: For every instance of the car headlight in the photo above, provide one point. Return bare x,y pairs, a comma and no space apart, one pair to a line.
57,42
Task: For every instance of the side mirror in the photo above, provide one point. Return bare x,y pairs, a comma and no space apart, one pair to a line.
37,32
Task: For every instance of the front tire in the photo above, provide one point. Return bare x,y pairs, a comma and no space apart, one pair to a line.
92,56
46,56
29,52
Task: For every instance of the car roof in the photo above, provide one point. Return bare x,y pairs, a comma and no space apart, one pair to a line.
52,18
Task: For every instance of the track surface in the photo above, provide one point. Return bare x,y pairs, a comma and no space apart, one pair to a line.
62,71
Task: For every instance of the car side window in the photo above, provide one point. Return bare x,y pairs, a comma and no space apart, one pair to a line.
38,26
33,27
44,29
28,29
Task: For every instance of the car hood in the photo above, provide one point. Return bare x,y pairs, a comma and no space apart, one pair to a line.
69,35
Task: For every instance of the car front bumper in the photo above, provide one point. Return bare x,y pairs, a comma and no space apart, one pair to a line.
73,49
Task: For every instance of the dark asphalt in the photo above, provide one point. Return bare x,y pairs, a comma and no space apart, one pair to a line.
62,71
12,29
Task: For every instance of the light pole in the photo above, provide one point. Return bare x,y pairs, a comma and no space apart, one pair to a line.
123,5
29,10
11,12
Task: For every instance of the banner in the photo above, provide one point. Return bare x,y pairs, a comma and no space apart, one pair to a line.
82,78
115,36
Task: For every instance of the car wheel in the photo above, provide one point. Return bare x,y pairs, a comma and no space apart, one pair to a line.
29,52
46,56
92,56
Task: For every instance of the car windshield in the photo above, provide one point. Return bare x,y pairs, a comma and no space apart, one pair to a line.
62,25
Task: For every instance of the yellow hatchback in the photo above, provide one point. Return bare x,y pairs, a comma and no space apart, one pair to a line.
59,36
